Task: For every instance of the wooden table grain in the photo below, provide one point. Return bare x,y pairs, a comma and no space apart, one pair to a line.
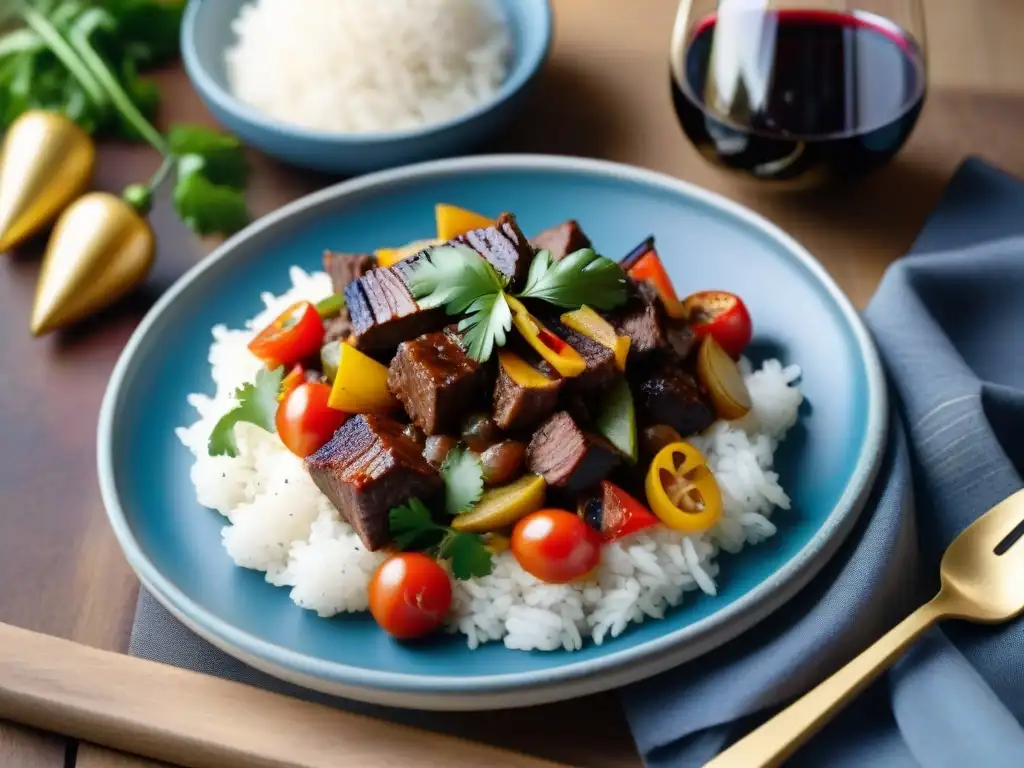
603,94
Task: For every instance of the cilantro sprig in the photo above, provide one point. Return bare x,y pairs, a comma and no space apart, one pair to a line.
582,277
463,475
257,404
83,58
413,527
463,282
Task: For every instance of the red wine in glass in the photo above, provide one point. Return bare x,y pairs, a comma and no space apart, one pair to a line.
796,95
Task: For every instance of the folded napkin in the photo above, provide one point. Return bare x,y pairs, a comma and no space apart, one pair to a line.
949,322
944,319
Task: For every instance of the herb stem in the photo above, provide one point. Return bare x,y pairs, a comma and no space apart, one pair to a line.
80,41
63,51
161,174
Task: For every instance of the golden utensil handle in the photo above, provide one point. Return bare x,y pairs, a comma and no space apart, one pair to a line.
774,741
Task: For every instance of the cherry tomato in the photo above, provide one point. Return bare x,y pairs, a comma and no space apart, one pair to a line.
556,546
410,595
722,316
295,335
304,420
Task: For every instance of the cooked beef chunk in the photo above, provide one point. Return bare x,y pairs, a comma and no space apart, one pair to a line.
568,458
600,359
642,318
384,313
435,380
521,401
338,328
367,468
505,246
666,394
345,268
562,240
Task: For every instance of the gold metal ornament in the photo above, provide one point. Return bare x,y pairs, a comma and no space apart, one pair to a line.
45,163
100,249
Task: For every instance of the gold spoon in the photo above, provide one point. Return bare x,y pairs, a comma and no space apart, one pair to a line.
981,582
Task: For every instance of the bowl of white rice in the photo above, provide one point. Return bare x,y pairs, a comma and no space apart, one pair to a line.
349,86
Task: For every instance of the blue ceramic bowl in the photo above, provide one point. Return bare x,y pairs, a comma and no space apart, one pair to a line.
826,464
206,34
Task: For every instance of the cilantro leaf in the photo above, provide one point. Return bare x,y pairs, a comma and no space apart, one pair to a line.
463,475
412,524
453,276
257,404
470,557
486,326
206,207
412,527
223,158
582,277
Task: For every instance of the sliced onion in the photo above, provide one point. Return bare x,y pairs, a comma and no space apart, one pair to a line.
723,380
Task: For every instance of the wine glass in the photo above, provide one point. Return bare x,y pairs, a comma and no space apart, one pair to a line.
799,93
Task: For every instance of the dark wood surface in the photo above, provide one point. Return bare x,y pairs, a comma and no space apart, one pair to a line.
603,94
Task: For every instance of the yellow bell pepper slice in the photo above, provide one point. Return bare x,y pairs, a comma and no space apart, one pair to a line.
587,322
361,384
388,257
681,490
453,221
563,358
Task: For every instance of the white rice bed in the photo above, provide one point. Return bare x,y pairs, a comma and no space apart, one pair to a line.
280,523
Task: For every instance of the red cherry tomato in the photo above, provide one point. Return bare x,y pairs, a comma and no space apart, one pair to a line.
556,546
296,334
410,595
304,420
722,316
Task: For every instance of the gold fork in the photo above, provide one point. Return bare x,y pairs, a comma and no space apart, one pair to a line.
982,580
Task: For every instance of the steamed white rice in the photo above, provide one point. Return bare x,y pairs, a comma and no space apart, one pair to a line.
367,65
280,523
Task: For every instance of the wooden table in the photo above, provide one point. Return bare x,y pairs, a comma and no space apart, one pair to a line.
604,94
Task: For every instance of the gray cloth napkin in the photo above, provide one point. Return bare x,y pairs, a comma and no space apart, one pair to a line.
949,321
945,319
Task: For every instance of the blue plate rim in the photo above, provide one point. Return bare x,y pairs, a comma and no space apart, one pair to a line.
573,678
197,71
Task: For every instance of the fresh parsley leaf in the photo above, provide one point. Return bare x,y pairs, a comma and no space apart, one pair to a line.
469,556
463,475
452,276
486,326
223,158
582,277
206,207
412,524
257,404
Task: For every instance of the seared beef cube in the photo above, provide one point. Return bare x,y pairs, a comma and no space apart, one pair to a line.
600,360
338,328
505,246
669,395
643,320
569,458
345,268
435,380
562,240
681,338
384,313
523,394
367,468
